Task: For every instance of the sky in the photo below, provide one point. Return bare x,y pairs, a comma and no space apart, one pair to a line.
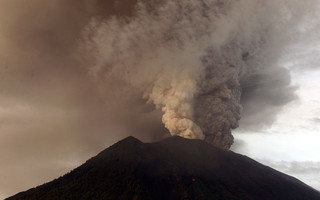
291,144
77,76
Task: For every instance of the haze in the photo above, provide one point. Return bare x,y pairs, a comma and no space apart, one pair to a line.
77,76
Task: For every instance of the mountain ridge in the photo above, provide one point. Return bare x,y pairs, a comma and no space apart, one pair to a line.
173,168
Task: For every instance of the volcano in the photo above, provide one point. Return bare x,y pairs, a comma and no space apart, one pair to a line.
174,168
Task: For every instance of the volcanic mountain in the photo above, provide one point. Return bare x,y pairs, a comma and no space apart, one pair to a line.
174,168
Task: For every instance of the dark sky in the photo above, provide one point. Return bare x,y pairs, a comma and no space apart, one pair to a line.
61,102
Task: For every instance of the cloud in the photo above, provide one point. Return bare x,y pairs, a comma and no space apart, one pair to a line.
306,171
65,94
263,97
239,146
316,120
51,110
214,60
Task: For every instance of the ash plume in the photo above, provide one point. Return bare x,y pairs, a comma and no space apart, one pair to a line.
198,61
84,74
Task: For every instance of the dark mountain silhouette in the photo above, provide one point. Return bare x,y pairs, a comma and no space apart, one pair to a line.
175,168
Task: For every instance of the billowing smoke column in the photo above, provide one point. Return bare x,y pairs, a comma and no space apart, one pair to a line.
191,58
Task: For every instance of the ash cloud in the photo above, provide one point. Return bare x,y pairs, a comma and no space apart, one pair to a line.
203,62
83,74
51,110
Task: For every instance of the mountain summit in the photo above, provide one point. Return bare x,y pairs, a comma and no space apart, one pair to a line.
174,168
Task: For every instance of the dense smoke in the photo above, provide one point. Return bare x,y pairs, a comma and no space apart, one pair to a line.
195,59
79,75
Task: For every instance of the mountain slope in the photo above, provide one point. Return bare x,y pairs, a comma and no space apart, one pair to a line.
175,168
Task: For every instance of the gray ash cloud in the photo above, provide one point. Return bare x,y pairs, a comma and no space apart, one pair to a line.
82,74
202,63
